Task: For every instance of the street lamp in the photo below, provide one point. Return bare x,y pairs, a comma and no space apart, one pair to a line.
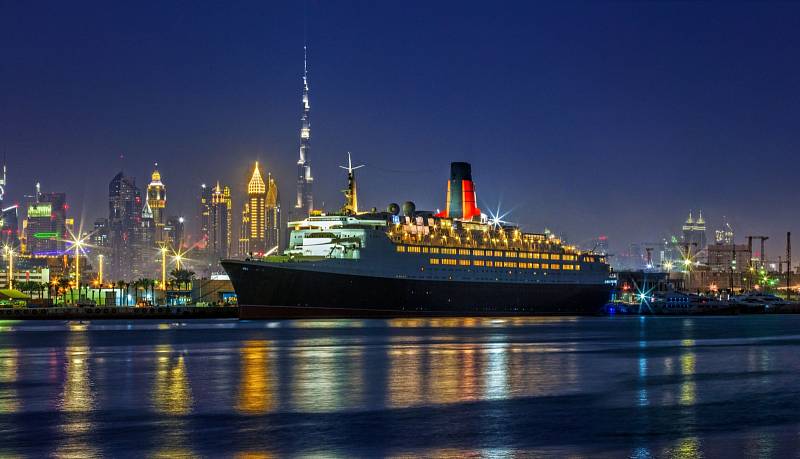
163,268
78,242
178,258
10,254
100,271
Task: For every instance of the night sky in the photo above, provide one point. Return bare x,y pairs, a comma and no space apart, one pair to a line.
586,118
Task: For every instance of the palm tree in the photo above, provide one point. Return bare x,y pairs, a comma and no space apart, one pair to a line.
182,276
149,284
63,285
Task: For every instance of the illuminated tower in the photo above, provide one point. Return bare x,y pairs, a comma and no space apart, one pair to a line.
273,215
305,198
157,200
694,234
256,213
144,234
9,219
124,210
244,231
219,225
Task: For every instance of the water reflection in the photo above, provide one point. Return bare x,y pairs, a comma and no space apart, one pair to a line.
9,400
257,378
171,391
654,388
172,396
77,398
405,376
328,375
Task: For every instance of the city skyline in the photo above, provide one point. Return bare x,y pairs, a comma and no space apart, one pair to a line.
619,148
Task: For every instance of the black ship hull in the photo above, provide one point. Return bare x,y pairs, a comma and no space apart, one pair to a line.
270,292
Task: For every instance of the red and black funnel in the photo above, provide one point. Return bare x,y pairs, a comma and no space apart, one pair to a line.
461,200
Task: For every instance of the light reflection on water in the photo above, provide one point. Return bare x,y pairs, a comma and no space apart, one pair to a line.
406,387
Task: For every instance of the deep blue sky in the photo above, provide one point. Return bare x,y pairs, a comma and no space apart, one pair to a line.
588,118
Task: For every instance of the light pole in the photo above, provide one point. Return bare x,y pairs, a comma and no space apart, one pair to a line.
164,268
10,254
178,258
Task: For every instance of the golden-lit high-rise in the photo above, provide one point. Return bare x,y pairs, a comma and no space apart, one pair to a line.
157,200
256,209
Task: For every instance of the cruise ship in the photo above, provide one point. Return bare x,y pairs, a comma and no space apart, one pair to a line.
403,262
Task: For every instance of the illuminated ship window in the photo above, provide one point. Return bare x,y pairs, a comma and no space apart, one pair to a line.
463,251
490,263
464,262
555,256
479,263
545,266
555,266
448,261
577,267
511,254
535,265
434,261
545,256
534,255
478,253
414,249
567,267
401,248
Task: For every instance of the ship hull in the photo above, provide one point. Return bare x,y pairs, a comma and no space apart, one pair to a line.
267,291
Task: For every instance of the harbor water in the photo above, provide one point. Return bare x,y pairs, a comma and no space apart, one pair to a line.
600,387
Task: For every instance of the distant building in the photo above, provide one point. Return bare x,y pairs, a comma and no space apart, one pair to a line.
174,231
724,235
157,200
9,218
219,223
721,257
273,215
46,224
146,254
694,234
256,209
244,231
124,213
99,238
305,197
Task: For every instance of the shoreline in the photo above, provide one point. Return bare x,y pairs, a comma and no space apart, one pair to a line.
119,312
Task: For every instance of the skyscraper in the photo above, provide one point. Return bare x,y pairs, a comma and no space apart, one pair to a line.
9,219
219,223
157,200
144,263
244,231
305,198
273,215
124,212
694,233
46,227
254,213
204,216
173,231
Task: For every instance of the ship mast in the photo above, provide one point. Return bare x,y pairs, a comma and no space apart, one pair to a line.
351,193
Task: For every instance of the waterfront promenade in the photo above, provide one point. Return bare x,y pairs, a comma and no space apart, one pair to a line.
119,312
